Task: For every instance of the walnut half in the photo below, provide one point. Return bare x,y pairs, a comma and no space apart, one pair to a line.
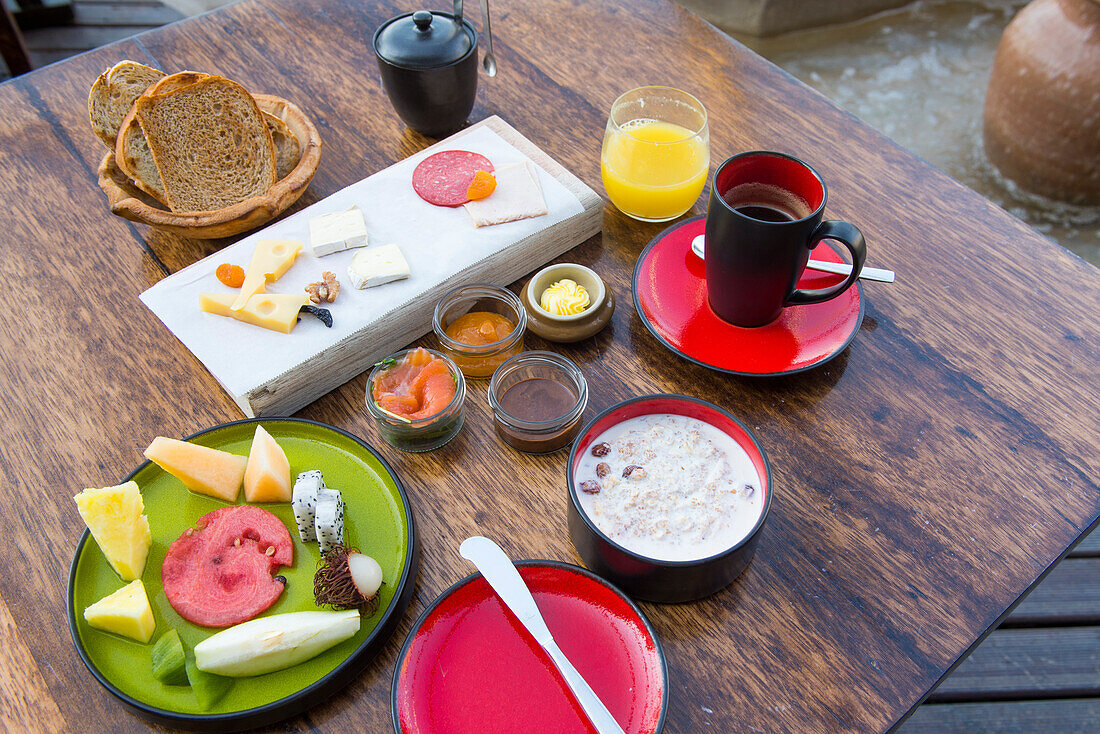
324,290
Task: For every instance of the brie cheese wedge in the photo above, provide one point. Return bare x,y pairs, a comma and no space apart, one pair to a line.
378,265
337,232
518,195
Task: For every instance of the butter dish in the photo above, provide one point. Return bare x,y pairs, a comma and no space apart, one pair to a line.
574,327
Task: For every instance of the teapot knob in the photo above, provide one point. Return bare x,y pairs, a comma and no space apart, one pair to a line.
422,19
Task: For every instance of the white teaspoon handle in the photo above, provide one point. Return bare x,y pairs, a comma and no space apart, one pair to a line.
876,274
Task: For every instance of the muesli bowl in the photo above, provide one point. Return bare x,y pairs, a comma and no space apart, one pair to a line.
676,561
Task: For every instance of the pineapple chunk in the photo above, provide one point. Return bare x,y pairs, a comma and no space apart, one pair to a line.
114,517
125,612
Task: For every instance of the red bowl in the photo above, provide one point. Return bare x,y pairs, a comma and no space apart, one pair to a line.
468,664
653,579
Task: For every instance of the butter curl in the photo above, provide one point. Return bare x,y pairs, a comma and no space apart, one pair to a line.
566,297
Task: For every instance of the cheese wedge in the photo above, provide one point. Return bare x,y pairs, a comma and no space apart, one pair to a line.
270,260
267,476
518,195
378,265
275,311
201,469
337,231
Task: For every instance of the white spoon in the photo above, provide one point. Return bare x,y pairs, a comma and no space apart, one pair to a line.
877,274
502,575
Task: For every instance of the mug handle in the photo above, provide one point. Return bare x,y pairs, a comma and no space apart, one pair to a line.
849,236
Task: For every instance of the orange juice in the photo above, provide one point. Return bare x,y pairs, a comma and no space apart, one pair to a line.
653,170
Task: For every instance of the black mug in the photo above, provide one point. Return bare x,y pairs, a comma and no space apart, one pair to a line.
763,219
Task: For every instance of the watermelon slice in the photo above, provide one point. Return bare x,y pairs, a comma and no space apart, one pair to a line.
220,573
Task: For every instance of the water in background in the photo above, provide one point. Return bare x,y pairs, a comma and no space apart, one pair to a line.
919,75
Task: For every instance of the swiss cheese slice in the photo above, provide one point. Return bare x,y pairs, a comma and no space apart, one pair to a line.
270,260
518,195
275,311
378,265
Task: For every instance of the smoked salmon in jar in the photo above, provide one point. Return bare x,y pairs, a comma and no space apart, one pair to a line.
417,397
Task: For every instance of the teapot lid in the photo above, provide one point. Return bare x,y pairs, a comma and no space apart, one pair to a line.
423,40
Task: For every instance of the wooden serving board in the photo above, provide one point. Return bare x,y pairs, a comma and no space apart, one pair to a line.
271,374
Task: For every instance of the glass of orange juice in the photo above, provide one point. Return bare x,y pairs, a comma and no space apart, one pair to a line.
656,152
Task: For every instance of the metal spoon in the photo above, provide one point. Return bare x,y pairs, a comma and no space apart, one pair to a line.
488,60
876,274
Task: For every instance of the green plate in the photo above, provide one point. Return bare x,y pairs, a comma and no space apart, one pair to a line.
378,520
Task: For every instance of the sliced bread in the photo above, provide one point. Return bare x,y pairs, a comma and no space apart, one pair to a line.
114,93
286,145
133,158
209,142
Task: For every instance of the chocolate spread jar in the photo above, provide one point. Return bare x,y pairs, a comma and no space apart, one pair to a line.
538,399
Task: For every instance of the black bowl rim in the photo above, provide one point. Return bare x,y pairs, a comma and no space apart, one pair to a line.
532,562
296,702
657,562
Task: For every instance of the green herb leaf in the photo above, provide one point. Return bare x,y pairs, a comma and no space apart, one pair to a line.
387,363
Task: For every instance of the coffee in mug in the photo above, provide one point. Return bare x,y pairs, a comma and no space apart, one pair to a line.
763,219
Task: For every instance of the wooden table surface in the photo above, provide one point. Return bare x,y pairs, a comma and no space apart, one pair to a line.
925,478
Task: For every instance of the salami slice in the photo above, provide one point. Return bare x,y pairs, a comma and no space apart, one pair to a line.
442,179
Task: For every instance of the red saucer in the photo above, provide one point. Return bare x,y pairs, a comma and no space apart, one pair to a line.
470,666
670,294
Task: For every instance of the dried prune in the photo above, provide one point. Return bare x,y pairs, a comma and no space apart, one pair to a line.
601,449
603,469
590,487
635,471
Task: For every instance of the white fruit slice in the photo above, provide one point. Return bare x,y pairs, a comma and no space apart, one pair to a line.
366,574
304,501
328,521
273,643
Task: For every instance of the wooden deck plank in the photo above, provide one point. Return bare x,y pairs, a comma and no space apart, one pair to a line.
1070,595
79,38
1028,663
1072,716
1089,547
146,14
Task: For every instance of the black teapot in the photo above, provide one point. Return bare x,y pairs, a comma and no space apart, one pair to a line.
428,62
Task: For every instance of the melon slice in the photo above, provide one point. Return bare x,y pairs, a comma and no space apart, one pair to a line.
125,612
114,518
201,469
267,476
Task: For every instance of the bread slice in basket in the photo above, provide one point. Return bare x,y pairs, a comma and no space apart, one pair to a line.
113,95
208,141
133,157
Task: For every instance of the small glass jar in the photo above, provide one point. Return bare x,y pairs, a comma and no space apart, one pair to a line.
480,360
538,399
424,434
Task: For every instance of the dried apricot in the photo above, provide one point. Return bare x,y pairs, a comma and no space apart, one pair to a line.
230,275
482,185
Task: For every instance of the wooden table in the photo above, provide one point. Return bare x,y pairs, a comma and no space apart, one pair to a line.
925,479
